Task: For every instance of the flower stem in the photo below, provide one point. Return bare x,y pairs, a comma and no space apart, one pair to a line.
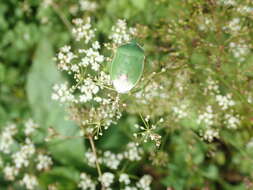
97,163
62,16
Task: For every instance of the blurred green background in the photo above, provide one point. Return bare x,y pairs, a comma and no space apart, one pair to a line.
32,31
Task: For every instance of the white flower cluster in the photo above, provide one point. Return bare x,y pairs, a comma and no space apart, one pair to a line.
239,50
249,145
180,111
133,152
226,105
44,162
21,158
238,5
10,172
47,3
124,178
62,93
24,155
90,158
30,127
250,99
206,24
106,114
207,117
234,25
83,31
92,85
92,57
245,9
112,160
86,5
121,33
107,179
232,121
212,87
227,2
144,182
148,131
225,102
6,138
88,89
29,181
86,182
130,188
210,134
148,94
64,59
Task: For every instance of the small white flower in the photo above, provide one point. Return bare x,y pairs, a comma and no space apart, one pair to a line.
21,158
227,2
235,25
232,121
210,134
212,86
86,183
96,45
30,127
207,117
124,178
145,182
111,160
225,102
180,111
29,181
44,162
107,179
121,33
133,152
90,158
86,5
64,58
6,138
250,144
130,188
10,172
83,30
62,93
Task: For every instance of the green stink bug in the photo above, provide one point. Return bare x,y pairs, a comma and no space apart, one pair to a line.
127,67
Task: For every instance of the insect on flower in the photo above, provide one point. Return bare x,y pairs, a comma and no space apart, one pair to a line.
127,67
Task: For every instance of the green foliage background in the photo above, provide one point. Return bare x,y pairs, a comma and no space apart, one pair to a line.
27,73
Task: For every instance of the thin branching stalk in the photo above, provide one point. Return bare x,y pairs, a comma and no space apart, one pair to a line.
93,147
62,16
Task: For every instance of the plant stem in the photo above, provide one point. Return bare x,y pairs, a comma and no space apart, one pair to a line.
62,16
97,163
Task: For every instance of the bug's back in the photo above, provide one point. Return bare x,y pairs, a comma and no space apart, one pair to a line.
127,67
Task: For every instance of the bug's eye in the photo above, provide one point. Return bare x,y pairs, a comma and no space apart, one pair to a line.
122,84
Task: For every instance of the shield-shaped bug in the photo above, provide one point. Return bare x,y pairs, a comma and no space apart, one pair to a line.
127,67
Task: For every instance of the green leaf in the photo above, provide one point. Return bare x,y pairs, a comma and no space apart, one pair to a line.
42,76
2,72
65,177
116,135
140,4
